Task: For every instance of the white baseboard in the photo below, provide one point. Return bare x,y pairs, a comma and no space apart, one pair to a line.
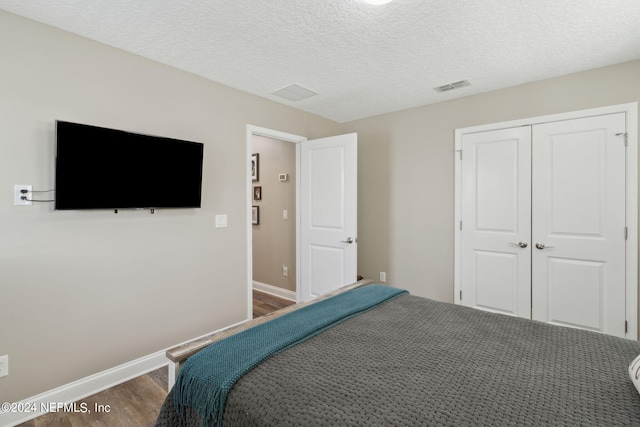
82,388
88,386
274,290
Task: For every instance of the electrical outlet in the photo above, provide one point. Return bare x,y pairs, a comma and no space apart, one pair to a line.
4,365
285,271
20,195
383,276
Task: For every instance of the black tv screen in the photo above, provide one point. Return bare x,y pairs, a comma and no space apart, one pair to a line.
99,168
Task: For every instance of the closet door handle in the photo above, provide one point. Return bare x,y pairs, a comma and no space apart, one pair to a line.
543,246
520,244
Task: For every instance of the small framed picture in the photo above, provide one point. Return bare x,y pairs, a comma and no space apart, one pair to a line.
257,193
255,215
255,167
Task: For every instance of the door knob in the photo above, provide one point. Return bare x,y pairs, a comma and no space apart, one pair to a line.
520,244
349,240
543,246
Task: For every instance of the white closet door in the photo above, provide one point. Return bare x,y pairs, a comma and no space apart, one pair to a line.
496,218
578,228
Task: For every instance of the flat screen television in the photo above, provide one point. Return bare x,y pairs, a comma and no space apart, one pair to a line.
100,168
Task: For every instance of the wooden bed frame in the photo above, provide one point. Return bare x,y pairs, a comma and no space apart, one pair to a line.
178,355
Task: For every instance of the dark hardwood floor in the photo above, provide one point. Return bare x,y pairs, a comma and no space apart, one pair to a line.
138,401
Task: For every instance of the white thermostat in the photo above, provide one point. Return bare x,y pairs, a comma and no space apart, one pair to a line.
283,177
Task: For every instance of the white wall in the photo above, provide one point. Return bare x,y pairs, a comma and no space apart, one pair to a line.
81,292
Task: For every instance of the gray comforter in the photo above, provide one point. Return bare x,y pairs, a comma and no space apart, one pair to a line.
413,361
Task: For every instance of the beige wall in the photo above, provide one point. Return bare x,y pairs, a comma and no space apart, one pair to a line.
86,291
82,291
406,170
274,239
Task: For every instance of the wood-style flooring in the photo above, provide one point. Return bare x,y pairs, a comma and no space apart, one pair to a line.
137,402
134,403
264,303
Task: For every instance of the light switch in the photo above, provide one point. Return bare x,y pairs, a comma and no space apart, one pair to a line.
285,214
221,221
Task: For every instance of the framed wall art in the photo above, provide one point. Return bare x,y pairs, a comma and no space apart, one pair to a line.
255,167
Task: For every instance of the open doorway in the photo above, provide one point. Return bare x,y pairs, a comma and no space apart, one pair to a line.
273,216
272,219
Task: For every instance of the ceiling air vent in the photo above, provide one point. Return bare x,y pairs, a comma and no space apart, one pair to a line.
452,86
294,93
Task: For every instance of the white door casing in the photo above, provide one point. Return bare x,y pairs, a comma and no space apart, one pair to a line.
348,206
578,186
580,155
496,207
328,215
283,136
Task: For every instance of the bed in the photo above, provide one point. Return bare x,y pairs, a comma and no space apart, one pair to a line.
408,360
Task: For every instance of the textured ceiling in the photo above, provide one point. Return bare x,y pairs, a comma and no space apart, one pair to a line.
361,60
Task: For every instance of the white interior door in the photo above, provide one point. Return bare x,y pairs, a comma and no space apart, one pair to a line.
496,218
578,228
328,218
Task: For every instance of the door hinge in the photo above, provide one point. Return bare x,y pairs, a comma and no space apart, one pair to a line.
626,329
460,152
460,225
626,233
460,295
626,137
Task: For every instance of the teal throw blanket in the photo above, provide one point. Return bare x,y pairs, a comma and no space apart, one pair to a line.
208,376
